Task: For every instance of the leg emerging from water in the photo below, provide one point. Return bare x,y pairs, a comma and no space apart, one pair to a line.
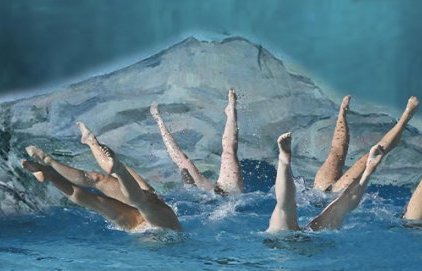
284,216
230,179
332,168
388,142
119,213
414,207
333,215
154,210
177,155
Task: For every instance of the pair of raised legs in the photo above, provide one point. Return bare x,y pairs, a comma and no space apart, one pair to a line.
230,180
354,181
284,216
329,176
125,198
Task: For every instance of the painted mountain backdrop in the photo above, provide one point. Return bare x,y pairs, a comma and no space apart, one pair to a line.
190,81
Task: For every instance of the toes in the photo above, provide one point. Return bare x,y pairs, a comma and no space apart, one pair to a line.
413,99
153,108
345,102
284,142
284,137
232,95
412,103
38,154
106,151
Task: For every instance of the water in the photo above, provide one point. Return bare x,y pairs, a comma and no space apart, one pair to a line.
219,234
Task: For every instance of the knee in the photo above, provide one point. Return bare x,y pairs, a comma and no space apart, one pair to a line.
93,177
77,195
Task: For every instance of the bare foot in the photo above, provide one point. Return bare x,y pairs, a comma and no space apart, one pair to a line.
35,168
345,103
374,158
106,158
284,145
86,134
412,105
39,155
231,105
155,113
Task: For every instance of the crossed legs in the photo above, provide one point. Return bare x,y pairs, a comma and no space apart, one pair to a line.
230,178
121,183
333,215
116,211
388,142
284,216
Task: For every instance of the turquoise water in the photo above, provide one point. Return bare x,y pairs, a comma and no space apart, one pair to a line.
219,234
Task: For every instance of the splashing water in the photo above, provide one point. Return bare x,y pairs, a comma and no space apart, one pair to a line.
220,233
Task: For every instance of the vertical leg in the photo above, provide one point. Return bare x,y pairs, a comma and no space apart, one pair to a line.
414,207
284,216
333,215
230,179
388,142
332,168
119,213
177,155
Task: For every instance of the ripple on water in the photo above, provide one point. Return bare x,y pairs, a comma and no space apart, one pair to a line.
220,233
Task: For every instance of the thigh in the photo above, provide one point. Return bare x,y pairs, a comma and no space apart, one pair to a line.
108,185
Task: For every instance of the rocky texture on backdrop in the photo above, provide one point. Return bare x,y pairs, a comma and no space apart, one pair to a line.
189,81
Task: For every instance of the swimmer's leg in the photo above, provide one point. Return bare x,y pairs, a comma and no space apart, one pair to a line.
332,168
101,153
414,207
230,179
119,213
177,155
107,184
186,177
388,142
284,216
333,215
155,211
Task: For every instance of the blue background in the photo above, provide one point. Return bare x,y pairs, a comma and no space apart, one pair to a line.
368,48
